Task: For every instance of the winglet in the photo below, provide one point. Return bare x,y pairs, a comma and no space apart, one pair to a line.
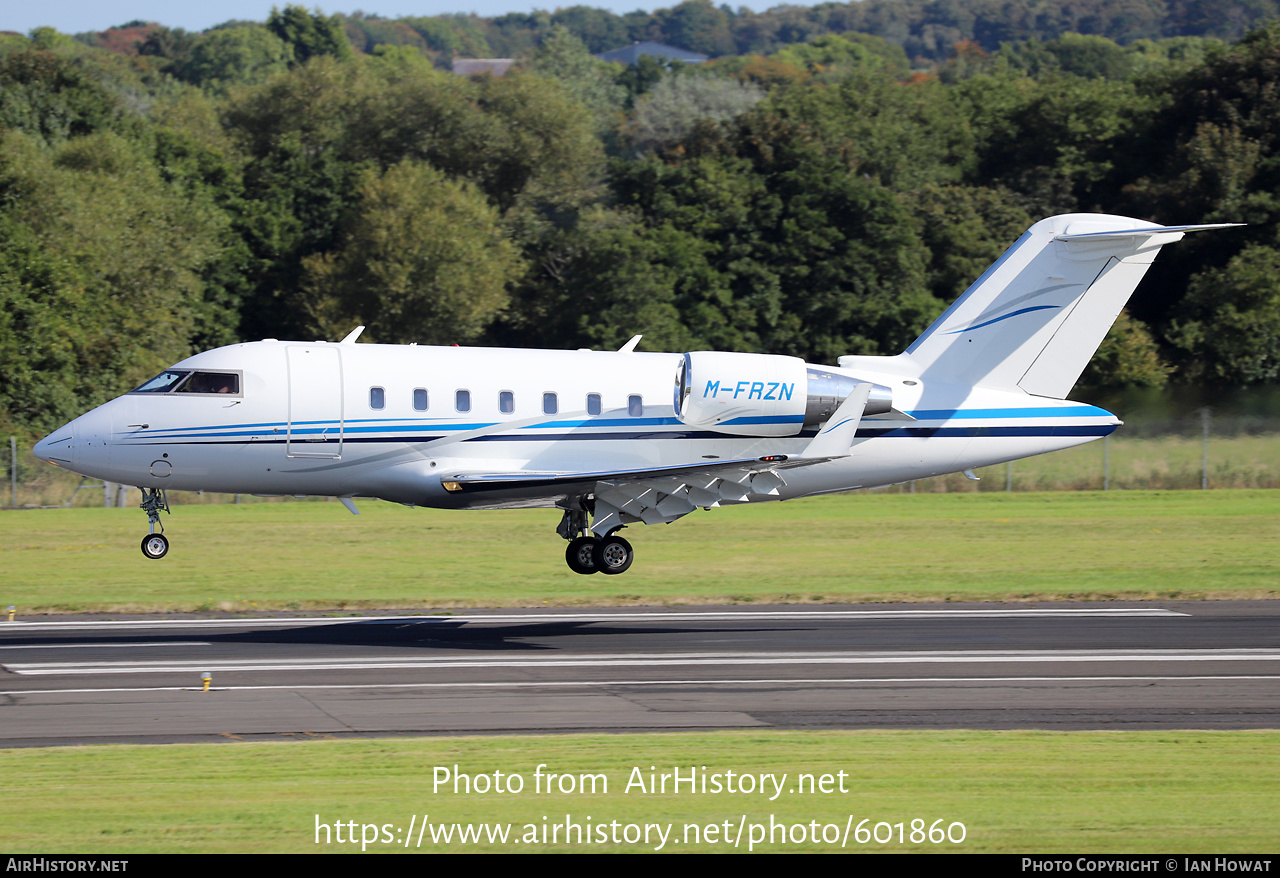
630,346
835,438
352,335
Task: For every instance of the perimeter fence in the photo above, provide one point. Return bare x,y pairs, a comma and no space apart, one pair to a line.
1200,450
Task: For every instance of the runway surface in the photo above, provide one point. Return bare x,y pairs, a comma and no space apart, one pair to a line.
1207,665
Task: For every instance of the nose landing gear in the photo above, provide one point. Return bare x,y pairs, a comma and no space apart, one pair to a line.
154,545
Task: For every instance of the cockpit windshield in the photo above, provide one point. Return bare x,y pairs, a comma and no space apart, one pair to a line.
162,383
210,382
180,381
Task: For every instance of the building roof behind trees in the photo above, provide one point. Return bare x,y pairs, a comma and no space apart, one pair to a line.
632,53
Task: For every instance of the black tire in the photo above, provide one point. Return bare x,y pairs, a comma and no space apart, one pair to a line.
580,556
613,555
155,546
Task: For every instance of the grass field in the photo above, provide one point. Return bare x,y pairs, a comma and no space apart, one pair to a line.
1084,792
1041,792
859,547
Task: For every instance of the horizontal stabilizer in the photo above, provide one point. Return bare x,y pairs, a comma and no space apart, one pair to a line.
1142,233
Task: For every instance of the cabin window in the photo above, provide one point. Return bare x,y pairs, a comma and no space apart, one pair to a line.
593,403
635,406
377,398
211,382
162,383
549,404
462,401
506,402
419,399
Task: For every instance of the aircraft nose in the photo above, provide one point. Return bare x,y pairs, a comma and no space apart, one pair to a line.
57,447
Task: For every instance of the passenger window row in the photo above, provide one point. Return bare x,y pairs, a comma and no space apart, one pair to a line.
506,402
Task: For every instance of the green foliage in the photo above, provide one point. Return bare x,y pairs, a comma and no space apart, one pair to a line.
513,136
698,26
42,310
1229,328
678,104
564,57
820,201
806,255
367,33
103,281
174,46
965,229
1211,151
639,79
1060,143
1091,57
847,52
46,95
906,135
1128,357
598,281
47,39
447,34
310,35
422,258
236,56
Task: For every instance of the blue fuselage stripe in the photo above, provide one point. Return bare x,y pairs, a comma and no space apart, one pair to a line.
912,432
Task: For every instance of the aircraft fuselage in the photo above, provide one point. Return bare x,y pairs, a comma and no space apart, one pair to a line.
394,421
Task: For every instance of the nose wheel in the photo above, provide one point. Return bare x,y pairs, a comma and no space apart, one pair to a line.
155,546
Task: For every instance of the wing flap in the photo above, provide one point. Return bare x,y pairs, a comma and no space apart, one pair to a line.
560,482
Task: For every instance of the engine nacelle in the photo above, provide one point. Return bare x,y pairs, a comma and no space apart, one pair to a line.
742,394
762,394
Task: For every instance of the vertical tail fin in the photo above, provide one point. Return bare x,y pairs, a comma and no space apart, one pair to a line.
1037,315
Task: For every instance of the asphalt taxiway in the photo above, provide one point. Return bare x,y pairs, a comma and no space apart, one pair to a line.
1202,665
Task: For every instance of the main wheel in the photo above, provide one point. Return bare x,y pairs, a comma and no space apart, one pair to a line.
580,555
612,555
155,546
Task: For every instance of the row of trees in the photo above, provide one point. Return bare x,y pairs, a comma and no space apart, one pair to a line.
927,30
818,201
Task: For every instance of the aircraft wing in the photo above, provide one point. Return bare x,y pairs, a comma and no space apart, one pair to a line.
650,495
656,495
560,482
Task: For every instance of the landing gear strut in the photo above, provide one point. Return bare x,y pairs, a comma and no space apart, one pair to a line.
154,545
588,553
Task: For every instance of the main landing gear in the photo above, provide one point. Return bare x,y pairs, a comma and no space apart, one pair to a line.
154,545
588,553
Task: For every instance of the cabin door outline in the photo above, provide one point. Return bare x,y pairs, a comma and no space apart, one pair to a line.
315,426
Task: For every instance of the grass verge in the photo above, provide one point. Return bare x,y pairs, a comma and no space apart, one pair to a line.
858,547
1070,792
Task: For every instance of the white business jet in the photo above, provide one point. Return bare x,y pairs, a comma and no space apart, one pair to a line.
613,438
